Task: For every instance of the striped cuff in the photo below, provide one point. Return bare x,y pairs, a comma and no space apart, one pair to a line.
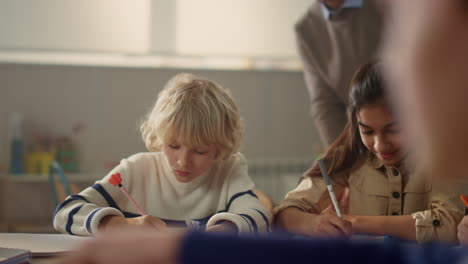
93,219
243,225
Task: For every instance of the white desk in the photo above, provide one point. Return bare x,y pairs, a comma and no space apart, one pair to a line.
44,247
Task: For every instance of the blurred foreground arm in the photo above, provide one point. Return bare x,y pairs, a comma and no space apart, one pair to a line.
199,247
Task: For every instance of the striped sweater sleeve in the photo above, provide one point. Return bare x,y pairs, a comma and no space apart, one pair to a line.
243,207
80,214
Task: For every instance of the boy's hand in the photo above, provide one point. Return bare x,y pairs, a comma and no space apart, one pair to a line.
225,226
146,221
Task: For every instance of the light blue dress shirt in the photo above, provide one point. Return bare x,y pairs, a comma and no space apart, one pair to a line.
327,13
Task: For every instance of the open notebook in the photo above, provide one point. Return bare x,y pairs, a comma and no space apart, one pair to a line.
14,255
40,245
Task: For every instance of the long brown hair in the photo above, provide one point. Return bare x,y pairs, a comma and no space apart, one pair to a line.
347,151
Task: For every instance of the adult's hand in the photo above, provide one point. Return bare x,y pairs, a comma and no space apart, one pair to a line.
128,245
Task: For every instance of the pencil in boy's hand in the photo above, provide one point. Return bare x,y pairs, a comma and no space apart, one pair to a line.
116,180
324,171
465,201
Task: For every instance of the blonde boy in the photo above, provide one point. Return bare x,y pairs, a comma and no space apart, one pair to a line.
192,174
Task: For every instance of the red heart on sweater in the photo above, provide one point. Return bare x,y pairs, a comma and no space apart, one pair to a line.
115,179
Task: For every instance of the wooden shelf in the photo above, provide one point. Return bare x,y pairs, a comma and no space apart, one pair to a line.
10,185
3,228
30,227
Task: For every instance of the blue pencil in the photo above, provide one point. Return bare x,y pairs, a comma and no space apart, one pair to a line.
324,171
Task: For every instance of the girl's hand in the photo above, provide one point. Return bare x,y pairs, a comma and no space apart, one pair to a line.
328,224
225,226
146,221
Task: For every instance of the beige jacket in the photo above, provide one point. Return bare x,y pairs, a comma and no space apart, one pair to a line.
376,189
331,51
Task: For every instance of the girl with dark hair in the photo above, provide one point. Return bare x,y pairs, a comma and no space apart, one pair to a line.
380,190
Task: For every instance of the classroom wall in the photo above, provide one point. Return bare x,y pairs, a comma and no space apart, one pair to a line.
86,25
187,27
238,27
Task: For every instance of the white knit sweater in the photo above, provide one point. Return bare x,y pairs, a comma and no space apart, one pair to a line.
224,192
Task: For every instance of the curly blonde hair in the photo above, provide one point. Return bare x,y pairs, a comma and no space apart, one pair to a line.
197,112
